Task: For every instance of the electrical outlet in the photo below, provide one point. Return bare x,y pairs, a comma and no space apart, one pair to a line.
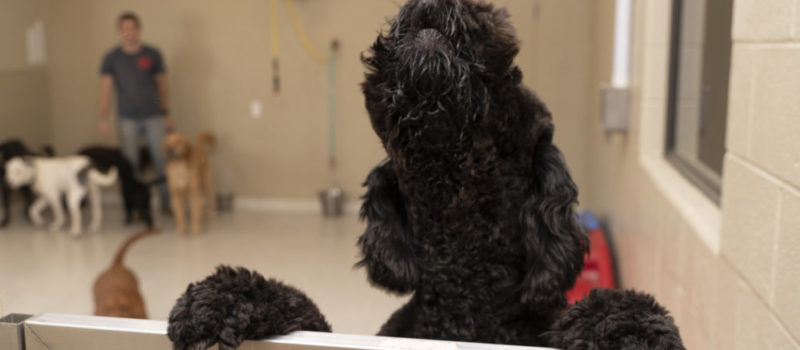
255,109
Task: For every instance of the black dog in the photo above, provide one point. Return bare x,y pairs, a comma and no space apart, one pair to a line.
472,212
608,319
8,150
135,193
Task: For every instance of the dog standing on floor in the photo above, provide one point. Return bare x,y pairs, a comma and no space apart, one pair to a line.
135,192
8,150
73,177
189,177
116,290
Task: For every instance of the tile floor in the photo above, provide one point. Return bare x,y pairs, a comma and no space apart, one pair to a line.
52,272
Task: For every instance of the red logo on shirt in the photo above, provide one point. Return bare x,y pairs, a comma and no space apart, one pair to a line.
144,62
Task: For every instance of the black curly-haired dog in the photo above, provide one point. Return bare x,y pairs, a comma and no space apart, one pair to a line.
472,212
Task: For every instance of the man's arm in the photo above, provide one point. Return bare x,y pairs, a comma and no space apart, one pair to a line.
106,82
163,98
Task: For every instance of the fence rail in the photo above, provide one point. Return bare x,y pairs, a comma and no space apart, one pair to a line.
59,331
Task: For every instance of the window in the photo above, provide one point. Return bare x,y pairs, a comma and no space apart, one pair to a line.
700,56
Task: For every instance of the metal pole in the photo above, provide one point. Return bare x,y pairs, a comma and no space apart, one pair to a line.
11,332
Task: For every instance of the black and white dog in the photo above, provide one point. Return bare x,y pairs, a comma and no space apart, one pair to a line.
8,150
135,192
71,177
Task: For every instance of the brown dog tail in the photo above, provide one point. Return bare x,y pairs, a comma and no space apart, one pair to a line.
206,140
134,238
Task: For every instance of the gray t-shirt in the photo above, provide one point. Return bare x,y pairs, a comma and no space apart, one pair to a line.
135,78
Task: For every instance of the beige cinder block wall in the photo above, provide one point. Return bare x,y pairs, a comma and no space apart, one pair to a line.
730,275
24,93
218,61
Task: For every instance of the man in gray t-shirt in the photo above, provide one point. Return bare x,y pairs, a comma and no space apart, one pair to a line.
137,72
134,76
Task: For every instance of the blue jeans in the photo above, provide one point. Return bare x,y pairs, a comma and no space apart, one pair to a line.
153,129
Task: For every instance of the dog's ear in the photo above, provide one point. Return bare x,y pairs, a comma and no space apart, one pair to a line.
168,145
48,151
502,45
554,241
387,244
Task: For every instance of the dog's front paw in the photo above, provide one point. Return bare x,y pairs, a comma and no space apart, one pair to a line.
613,319
234,305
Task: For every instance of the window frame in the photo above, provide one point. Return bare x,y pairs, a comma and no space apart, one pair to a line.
702,217
710,187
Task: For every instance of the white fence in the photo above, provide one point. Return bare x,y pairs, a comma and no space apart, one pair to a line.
57,331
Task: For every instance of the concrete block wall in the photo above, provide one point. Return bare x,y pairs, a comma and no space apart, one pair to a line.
761,184
743,293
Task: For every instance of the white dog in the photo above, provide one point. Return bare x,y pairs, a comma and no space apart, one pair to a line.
73,177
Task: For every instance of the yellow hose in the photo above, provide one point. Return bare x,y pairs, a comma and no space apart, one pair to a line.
273,29
275,45
316,54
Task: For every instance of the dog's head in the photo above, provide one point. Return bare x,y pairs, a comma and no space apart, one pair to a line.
176,146
20,171
13,148
442,92
432,75
206,139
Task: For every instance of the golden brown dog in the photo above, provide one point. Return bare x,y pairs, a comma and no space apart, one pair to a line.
189,177
116,290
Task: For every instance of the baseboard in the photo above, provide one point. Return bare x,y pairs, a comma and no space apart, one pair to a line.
256,203
286,205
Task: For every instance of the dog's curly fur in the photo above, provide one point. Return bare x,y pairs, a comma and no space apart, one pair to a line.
472,212
607,319
235,304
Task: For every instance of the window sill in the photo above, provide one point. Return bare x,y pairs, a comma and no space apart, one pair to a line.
699,211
